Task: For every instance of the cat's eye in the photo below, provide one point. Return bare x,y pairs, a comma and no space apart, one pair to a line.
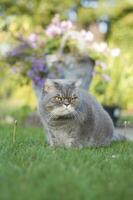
58,98
74,97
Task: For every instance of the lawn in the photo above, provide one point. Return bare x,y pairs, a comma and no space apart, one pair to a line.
29,169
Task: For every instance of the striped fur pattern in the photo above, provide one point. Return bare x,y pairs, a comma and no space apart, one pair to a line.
72,117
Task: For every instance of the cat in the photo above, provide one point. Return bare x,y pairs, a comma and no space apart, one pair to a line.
72,117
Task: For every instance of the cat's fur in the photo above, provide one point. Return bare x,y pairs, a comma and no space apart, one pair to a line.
73,117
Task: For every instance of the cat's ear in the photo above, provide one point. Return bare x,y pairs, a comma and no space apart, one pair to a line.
77,83
56,84
49,86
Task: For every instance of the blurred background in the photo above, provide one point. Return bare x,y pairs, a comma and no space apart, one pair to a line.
37,38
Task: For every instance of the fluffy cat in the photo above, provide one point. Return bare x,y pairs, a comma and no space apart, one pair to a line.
72,117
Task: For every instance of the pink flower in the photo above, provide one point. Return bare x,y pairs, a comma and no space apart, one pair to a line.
101,64
87,35
32,39
106,77
66,25
58,27
53,30
115,52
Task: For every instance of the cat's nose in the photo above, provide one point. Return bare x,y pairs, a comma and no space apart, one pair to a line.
66,104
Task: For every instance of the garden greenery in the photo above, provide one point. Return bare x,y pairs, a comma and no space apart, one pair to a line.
23,29
30,57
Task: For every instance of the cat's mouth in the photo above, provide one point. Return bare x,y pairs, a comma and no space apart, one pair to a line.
63,113
62,118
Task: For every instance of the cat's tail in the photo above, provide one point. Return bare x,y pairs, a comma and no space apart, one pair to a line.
121,137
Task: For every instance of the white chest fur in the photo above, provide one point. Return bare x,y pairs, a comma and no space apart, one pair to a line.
65,135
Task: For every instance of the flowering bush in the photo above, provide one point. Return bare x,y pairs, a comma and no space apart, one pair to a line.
30,55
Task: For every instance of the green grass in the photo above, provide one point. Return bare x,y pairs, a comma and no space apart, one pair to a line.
29,169
127,118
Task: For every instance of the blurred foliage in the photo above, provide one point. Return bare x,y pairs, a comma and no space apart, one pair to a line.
32,13
21,17
122,35
119,90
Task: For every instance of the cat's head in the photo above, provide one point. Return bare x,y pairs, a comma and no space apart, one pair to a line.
60,97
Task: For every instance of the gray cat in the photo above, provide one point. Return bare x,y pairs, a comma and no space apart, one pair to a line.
72,117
